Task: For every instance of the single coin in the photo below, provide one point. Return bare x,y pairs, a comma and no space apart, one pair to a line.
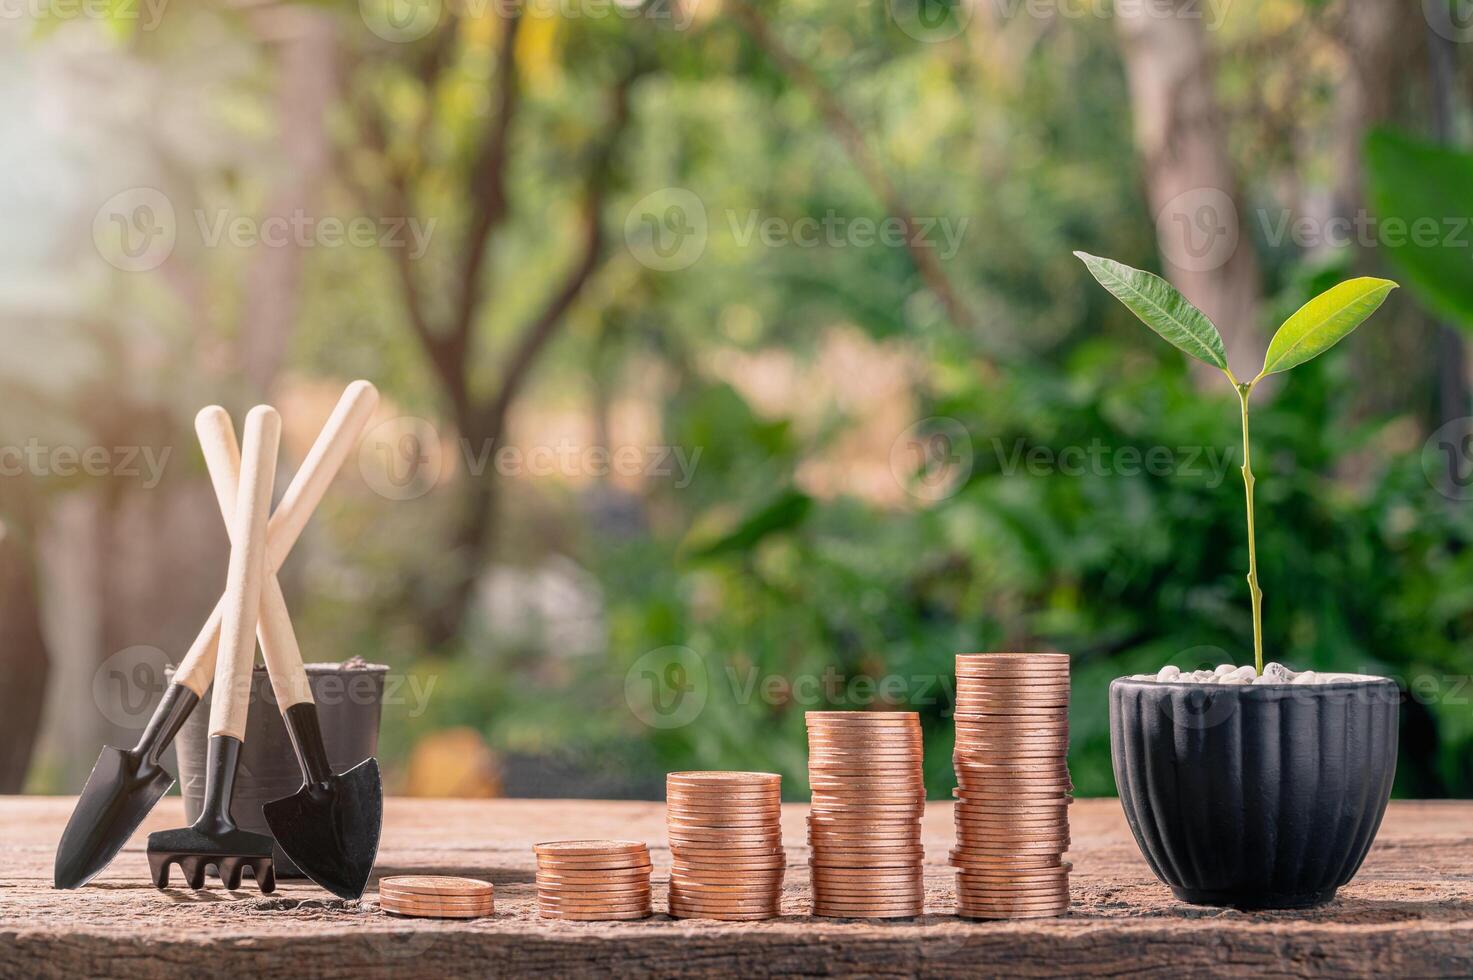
1010,910
595,864
399,896
399,901
576,848
615,889
862,717
728,855
591,905
724,916
419,913
594,916
594,874
706,777
436,885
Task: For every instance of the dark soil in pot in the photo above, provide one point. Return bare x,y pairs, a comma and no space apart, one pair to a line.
1261,796
349,700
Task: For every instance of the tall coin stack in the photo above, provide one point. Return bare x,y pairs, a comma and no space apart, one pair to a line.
1013,788
726,844
864,828
593,880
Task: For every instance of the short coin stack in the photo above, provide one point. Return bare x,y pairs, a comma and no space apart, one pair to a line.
1013,792
864,827
726,844
593,879
436,896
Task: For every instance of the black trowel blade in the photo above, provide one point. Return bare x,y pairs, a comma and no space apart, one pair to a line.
118,795
330,829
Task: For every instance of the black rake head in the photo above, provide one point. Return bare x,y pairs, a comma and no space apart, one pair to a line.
229,849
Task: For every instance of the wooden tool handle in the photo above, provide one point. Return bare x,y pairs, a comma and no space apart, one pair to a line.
336,440
274,631
243,581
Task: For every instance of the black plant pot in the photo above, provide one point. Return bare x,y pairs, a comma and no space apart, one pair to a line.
349,703
1254,796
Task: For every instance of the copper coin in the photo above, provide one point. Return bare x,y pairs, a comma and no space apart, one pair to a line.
738,901
695,852
592,887
723,777
735,821
1012,657
613,862
728,855
724,916
406,901
572,880
631,905
769,809
438,913
594,916
833,910
437,885
579,848
729,796
865,717
977,908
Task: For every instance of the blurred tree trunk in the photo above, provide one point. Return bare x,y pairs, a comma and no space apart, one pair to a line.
1201,228
307,42
446,316
1384,64
24,658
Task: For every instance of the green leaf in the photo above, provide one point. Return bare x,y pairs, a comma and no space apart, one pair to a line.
1423,197
1323,322
1161,308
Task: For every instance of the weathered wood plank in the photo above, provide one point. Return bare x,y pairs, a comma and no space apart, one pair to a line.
1410,912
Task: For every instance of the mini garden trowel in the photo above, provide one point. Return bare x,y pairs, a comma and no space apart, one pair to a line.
214,839
330,827
126,783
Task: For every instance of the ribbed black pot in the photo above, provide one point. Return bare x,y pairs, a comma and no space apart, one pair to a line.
349,703
1263,796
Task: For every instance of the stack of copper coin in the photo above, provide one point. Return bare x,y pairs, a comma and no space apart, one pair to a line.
726,844
1013,792
593,879
864,827
436,896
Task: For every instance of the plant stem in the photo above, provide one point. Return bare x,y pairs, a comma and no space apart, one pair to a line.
1244,390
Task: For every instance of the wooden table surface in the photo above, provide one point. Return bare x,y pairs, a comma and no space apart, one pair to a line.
1408,913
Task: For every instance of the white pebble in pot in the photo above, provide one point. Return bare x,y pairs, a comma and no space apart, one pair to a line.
1169,673
1239,675
1306,677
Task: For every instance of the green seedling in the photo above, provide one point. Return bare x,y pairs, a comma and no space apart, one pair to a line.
1313,329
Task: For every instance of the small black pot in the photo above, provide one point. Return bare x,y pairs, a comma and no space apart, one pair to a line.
1262,796
349,704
